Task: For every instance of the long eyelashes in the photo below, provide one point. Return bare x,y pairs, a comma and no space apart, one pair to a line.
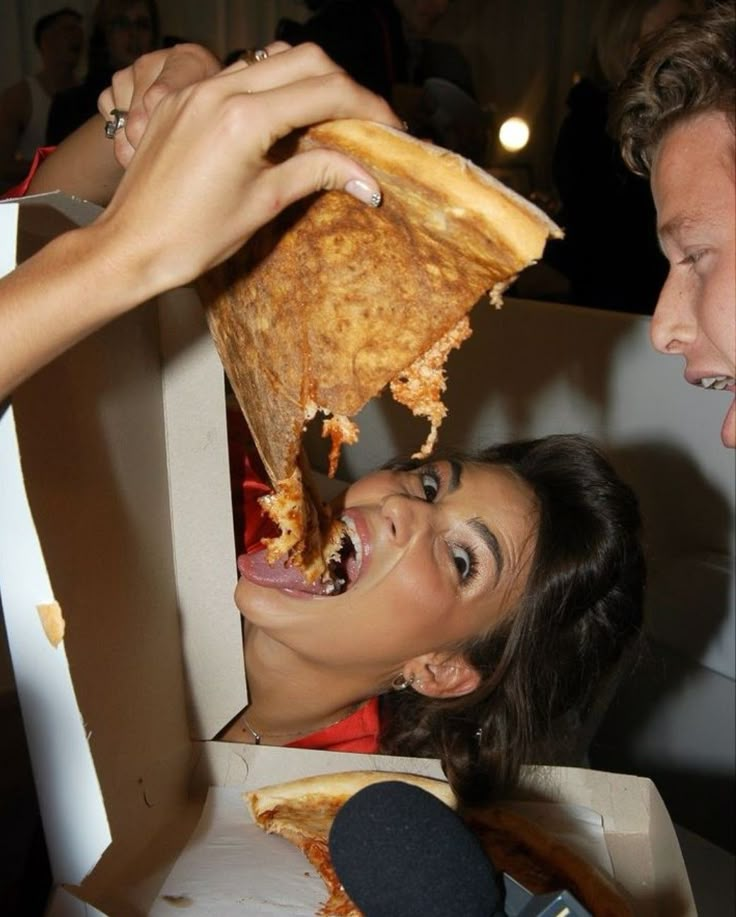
463,557
466,562
431,482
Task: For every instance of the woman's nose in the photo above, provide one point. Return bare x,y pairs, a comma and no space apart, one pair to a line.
673,326
405,516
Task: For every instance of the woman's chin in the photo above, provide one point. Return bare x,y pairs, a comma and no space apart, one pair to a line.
261,605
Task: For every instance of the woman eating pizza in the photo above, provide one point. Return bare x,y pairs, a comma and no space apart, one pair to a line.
486,598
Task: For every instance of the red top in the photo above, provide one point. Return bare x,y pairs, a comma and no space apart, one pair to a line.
357,732
22,188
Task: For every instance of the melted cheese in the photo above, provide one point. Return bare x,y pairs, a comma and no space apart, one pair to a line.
421,386
306,822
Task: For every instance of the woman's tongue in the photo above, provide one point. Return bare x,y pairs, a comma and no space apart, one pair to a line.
255,568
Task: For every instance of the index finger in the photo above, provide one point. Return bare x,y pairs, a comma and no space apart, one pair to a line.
312,100
185,64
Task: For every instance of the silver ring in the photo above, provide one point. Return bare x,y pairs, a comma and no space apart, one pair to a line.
117,122
253,56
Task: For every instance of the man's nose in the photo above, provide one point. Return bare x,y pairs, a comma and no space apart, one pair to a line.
673,326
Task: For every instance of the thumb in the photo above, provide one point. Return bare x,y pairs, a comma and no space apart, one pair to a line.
323,170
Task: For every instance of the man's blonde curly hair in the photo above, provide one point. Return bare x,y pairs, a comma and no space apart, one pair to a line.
687,69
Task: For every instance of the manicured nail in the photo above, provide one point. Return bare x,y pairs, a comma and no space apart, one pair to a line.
363,192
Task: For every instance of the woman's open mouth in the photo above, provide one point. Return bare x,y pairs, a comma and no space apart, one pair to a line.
342,572
344,569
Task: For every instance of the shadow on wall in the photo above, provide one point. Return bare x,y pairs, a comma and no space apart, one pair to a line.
645,733
672,720
687,525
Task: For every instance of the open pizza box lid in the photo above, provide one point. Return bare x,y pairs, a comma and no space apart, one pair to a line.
116,522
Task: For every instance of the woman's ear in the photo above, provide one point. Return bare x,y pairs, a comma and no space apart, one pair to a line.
438,675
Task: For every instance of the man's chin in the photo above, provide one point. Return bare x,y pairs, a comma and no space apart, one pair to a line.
728,430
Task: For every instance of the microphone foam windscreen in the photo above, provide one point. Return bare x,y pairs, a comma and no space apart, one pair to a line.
399,850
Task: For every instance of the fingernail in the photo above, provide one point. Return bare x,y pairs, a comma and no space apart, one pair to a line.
363,192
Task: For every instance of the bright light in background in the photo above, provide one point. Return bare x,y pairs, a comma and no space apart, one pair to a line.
514,134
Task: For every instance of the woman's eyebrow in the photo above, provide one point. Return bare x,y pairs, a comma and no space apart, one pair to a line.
456,474
478,526
490,541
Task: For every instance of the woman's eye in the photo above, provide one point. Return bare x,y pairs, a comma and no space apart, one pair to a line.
430,485
464,561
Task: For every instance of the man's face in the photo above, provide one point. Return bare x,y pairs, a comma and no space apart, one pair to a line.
694,189
421,15
129,34
62,41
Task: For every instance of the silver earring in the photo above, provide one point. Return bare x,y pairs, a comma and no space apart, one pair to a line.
401,682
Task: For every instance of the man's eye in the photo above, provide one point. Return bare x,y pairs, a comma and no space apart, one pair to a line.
430,485
464,560
693,257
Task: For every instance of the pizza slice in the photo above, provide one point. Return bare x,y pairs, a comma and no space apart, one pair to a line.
302,811
541,862
333,301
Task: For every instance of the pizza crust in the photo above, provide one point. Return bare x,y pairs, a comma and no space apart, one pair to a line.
343,784
541,862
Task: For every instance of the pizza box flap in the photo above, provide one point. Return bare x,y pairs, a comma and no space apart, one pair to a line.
116,499
643,848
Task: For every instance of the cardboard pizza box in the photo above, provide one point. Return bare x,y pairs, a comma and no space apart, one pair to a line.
117,566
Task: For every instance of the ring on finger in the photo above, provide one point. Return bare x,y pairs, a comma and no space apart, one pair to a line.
254,55
118,117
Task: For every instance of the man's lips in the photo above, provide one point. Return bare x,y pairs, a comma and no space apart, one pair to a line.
711,381
719,383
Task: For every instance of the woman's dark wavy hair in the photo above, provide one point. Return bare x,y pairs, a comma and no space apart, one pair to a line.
542,666
687,69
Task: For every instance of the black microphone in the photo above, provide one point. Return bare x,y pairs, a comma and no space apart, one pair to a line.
398,850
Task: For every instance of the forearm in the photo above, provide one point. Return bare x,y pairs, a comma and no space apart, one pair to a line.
199,185
83,165
67,290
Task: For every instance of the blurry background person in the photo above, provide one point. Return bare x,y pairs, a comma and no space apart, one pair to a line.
364,37
610,253
122,30
24,106
385,45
